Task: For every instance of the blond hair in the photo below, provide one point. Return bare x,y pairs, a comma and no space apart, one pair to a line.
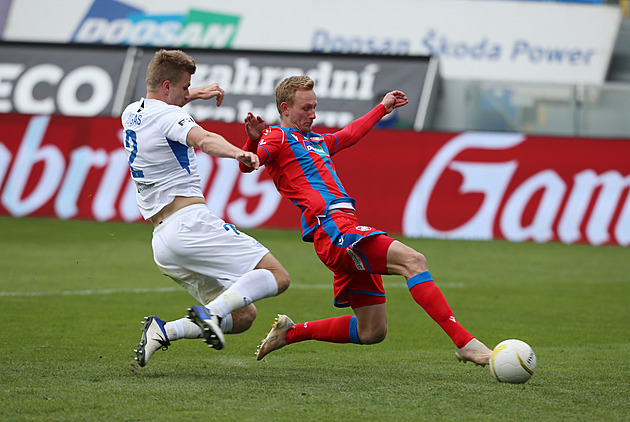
285,91
168,65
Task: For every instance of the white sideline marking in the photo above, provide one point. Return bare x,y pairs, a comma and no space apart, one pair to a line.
178,289
89,292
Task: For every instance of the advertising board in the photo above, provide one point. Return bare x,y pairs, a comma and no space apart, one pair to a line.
69,80
470,185
550,42
347,86
100,81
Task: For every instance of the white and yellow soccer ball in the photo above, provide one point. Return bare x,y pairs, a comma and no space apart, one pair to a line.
512,361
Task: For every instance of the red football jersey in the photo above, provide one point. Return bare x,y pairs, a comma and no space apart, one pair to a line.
301,167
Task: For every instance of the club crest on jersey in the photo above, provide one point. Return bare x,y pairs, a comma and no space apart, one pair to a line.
363,228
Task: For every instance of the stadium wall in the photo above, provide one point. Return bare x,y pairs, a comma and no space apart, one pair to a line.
469,185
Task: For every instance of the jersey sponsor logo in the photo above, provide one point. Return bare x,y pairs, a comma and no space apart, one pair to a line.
357,260
117,23
315,148
143,186
187,119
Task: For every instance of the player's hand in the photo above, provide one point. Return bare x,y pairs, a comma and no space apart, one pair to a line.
394,99
254,125
249,159
207,92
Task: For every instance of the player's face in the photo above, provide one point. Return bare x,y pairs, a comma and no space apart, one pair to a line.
178,92
301,114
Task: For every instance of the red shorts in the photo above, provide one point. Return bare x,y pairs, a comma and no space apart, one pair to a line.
357,255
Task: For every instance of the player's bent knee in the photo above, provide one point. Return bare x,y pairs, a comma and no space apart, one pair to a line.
404,260
417,262
269,262
283,279
373,336
250,312
242,319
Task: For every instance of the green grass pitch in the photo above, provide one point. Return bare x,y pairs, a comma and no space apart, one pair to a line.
73,293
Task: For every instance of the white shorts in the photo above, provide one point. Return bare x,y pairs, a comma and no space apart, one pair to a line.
203,253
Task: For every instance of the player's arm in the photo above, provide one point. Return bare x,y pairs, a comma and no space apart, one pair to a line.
217,145
206,92
356,130
254,126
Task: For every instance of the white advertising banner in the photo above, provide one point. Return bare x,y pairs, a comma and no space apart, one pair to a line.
488,40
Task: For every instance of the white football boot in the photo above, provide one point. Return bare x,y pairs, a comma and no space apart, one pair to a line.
474,351
153,338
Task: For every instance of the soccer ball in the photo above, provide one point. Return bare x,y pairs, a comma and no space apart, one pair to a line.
512,361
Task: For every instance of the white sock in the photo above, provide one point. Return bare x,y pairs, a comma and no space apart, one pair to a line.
226,324
253,286
182,328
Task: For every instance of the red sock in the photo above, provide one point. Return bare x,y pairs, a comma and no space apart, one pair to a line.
429,296
332,330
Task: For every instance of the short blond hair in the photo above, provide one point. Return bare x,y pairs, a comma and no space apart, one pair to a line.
168,65
285,91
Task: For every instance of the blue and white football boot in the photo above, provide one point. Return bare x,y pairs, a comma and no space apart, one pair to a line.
209,323
153,338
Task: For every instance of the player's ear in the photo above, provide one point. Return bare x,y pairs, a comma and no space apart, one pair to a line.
166,86
284,107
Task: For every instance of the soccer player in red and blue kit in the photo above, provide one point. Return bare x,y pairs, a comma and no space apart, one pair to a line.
299,162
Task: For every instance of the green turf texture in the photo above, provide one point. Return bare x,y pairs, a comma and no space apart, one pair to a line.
73,293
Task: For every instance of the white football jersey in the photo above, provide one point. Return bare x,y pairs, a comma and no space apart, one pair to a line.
162,165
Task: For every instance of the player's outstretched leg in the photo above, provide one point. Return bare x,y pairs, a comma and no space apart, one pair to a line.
209,323
474,351
153,338
428,295
276,337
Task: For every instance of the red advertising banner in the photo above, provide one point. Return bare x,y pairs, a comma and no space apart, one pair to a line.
471,185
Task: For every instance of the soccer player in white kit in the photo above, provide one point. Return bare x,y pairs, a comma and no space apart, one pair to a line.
223,268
